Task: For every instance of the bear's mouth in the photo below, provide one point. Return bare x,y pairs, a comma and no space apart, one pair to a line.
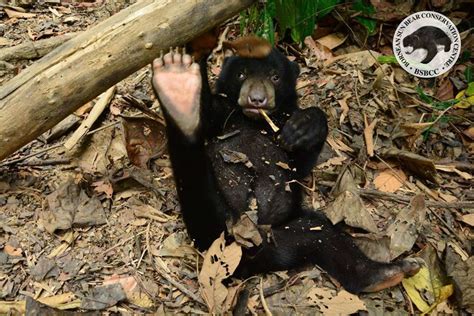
254,112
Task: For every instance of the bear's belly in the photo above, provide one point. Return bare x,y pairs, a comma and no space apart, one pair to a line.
248,168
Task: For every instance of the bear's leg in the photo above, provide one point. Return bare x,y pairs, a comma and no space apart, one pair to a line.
313,239
177,83
432,51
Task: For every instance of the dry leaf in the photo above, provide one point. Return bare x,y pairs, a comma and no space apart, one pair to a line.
334,161
219,263
142,210
338,145
343,303
12,251
12,308
369,135
103,187
418,165
390,180
364,59
424,286
451,168
445,90
133,292
469,132
246,233
403,232
59,300
348,206
332,41
319,51
5,41
18,15
144,139
175,245
468,219
344,107
282,165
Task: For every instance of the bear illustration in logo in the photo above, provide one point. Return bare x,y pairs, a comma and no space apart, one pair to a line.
427,37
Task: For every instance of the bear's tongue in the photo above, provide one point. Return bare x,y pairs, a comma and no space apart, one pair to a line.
408,50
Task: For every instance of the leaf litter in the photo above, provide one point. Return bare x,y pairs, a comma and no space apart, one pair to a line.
92,232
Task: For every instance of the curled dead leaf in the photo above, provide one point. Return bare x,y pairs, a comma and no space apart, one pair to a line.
219,263
390,180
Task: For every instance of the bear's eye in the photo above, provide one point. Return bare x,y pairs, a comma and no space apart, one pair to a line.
241,75
275,78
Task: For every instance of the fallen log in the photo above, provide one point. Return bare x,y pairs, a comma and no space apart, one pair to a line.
87,65
33,50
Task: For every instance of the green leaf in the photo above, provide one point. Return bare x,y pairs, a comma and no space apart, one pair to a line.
443,105
387,59
470,89
369,24
423,96
325,7
469,74
268,31
300,15
363,7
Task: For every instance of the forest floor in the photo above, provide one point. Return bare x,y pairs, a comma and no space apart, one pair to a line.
97,228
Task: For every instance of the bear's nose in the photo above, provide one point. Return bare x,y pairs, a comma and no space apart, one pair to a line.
257,100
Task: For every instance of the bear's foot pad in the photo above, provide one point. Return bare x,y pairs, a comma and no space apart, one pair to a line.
393,275
177,81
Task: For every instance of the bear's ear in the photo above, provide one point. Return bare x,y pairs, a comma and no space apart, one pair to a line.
295,68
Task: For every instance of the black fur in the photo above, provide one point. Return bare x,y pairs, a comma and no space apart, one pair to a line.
213,192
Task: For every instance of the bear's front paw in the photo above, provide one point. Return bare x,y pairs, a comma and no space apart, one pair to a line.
304,130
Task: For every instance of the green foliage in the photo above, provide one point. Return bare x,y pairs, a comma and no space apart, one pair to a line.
438,105
469,74
366,8
387,59
423,96
369,24
443,105
299,16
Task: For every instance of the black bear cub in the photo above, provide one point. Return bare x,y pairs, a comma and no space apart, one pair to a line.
206,132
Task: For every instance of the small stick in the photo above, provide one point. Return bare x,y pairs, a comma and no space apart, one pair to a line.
269,120
98,108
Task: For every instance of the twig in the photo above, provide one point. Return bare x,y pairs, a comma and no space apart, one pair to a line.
398,198
138,104
96,111
269,120
13,161
369,135
371,193
47,162
120,243
262,298
448,227
179,286
168,277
